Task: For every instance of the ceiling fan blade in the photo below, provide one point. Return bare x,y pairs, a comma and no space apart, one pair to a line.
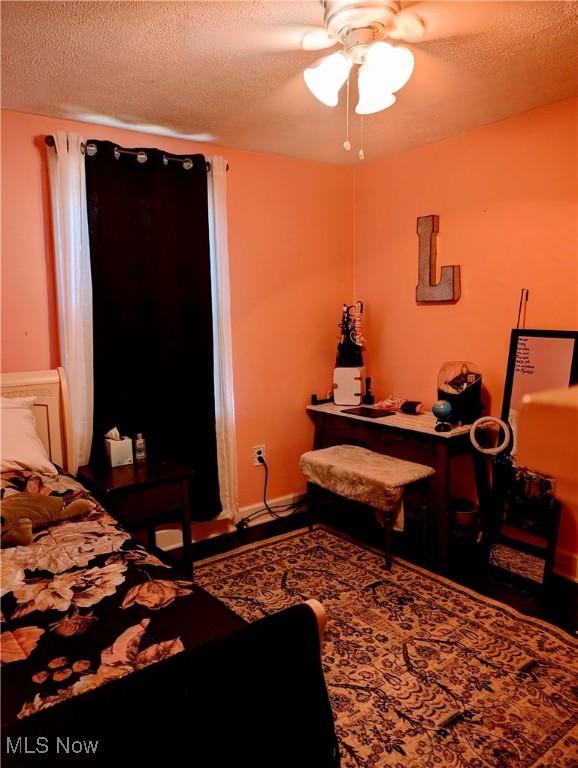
438,19
317,39
408,26
285,38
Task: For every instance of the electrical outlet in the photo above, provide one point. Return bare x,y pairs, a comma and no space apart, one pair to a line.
258,452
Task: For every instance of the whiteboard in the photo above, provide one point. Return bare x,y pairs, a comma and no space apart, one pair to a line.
538,360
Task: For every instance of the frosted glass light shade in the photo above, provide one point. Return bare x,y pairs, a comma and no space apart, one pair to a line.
325,80
373,97
390,66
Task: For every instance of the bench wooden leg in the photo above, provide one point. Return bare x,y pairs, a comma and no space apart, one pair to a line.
387,532
425,506
311,504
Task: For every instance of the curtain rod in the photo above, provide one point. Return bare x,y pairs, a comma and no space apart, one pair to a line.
141,155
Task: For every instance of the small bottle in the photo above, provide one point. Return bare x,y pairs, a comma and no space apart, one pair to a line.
140,452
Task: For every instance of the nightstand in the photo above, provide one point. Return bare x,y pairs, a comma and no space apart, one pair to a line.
139,495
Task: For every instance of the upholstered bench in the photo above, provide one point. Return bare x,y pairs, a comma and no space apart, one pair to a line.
364,476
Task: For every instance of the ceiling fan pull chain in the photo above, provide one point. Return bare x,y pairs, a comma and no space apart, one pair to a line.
361,152
347,143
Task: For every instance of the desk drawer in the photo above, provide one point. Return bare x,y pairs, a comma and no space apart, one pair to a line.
403,446
350,431
376,437
136,506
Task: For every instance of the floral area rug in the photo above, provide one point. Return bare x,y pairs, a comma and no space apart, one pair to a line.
420,671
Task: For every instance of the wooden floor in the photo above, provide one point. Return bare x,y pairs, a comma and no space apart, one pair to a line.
559,605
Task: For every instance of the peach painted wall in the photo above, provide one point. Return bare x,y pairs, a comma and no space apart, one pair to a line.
507,199
290,241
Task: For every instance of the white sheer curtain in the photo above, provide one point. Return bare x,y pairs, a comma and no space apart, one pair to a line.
222,348
73,284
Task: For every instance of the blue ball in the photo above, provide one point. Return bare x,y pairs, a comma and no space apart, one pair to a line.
442,410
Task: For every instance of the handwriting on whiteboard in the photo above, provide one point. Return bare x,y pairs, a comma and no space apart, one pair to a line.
524,362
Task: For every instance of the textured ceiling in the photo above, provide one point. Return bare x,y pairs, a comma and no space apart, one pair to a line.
230,72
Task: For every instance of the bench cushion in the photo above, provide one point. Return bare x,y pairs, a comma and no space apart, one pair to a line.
362,475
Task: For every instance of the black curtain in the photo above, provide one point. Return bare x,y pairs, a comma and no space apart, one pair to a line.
153,336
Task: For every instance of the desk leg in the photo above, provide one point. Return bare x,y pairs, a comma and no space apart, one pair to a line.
440,492
187,544
151,535
486,502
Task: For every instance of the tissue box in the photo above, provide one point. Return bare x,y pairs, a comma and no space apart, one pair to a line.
119,452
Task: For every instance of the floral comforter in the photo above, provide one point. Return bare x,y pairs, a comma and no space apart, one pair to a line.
85,604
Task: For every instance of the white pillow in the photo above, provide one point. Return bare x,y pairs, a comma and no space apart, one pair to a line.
20,446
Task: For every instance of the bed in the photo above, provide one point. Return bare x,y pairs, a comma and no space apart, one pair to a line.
108,652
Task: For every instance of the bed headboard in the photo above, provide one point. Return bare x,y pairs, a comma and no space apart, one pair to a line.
51,409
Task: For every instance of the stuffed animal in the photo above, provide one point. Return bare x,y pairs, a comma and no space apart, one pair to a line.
23,513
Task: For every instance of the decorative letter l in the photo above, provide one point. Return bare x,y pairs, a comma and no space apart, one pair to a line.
448,288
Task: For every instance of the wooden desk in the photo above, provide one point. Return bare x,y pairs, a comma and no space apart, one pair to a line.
412,438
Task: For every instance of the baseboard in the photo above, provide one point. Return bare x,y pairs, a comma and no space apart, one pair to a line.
171,538
566,564
266,517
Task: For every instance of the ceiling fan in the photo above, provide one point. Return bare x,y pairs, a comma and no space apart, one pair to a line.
361,27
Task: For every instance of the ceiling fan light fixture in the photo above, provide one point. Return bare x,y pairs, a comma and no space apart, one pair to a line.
361,26
373,97
326,79
389,65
